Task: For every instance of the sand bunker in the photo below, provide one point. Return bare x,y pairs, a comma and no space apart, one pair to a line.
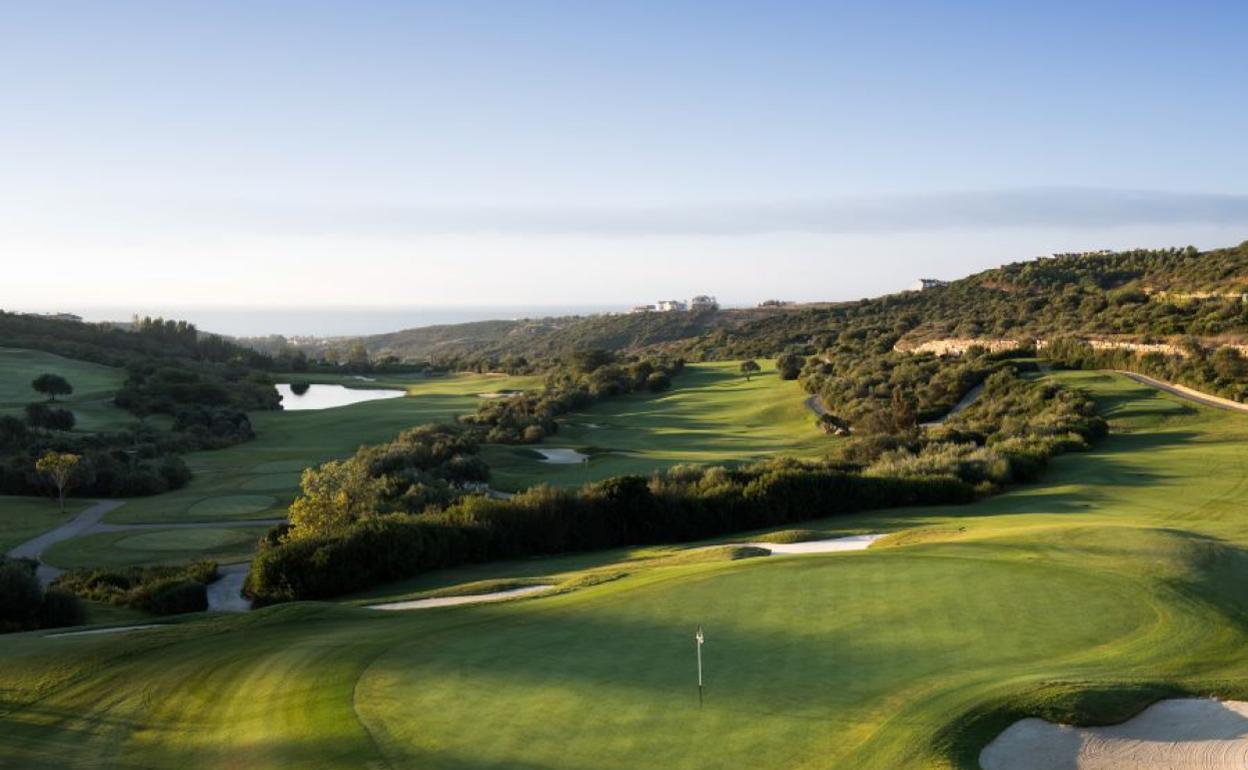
1174,734
451,601
561,456
113,630
850,543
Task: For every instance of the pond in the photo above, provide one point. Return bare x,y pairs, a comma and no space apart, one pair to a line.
330,396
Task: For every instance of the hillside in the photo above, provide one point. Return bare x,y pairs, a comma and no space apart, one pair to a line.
1139,294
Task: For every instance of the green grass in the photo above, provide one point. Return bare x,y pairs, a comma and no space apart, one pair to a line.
1122,578
258,479
713,415
22,518
94,386
155,546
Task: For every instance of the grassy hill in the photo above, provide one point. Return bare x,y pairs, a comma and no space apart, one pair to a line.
1118,580
713,415
94,387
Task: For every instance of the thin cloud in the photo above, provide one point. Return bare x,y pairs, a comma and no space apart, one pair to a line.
1049,207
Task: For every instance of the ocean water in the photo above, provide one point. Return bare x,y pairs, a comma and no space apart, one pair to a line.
327,321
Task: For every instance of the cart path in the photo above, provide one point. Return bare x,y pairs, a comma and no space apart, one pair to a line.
1186,393
90,521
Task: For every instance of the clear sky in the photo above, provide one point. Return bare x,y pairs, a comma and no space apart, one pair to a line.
581,153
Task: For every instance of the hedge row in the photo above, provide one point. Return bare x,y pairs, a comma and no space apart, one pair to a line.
684,504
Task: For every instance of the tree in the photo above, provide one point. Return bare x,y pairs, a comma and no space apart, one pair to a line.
52,385
750,367
333,496
790,365
59,467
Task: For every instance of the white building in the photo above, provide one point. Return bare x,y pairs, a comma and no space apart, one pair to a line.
642,309
670,305
704,302
923,284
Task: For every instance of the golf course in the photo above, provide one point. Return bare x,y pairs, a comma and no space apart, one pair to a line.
1117,580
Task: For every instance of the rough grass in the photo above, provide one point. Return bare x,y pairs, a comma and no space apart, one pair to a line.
1120,579
711,415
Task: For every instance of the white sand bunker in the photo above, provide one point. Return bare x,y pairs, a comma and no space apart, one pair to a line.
850,543
113,630
561,456
451,601
1179,734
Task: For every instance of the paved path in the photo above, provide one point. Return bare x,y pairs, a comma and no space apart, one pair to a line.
79,525
966,401
224,595
1189,394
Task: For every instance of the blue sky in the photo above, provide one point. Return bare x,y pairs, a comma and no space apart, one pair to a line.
531,153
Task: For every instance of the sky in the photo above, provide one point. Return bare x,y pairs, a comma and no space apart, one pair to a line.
437,154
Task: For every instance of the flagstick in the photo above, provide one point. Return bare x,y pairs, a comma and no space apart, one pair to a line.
698,639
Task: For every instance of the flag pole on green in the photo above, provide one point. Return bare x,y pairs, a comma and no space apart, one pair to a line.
700,639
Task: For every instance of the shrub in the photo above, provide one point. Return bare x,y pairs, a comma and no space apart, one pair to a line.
170,596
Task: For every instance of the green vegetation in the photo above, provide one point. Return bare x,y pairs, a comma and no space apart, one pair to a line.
713,416
398,509
155,590
1119,580
94,386
24,604
267,468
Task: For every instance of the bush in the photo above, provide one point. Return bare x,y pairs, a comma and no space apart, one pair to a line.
686,504
170,596
160,590
51,418
25,605
60,608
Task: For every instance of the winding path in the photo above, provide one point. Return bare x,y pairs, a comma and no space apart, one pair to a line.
79,525
966,401
224,595
1186,393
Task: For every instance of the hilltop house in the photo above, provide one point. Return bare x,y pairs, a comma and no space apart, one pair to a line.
670,305
704,302
923,284
642,309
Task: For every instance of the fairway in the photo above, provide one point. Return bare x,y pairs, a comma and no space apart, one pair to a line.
1118,580
258,479
94,386
712,415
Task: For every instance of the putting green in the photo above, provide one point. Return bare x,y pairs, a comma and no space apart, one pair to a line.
231,506
1118,580
155,546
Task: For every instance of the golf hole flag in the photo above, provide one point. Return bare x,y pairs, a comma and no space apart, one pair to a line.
700,639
